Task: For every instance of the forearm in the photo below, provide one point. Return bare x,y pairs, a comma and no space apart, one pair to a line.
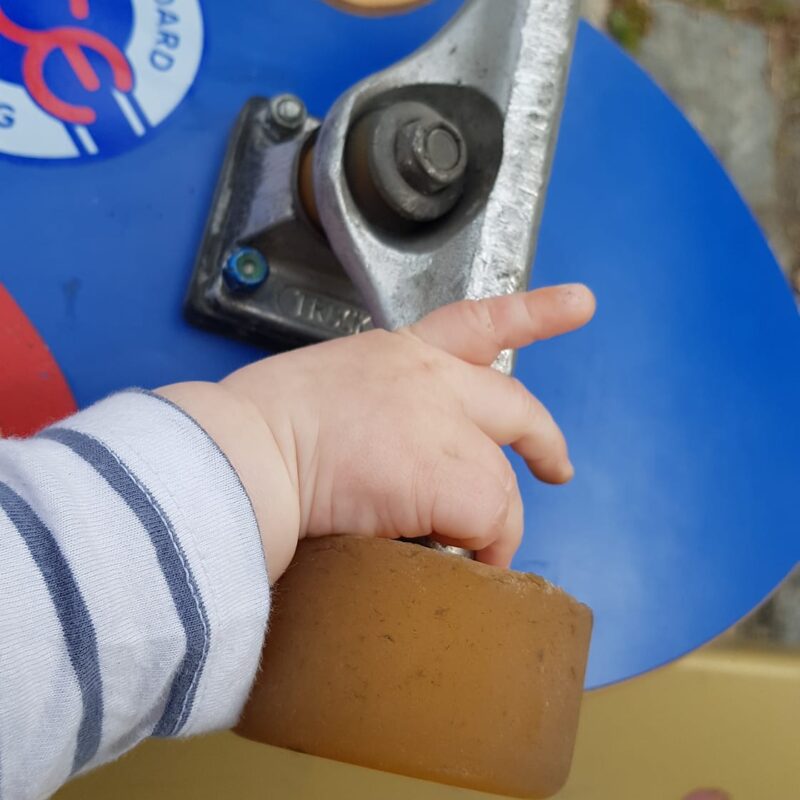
133,590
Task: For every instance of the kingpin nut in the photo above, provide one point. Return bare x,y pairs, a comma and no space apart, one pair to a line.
431,156
407,161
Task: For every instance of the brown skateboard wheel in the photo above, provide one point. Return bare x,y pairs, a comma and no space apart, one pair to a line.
377,6
396,657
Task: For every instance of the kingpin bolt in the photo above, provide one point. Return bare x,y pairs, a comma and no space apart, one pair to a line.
406,164
245,270
287,115
431,156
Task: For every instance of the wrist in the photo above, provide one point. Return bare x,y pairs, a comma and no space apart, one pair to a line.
240,431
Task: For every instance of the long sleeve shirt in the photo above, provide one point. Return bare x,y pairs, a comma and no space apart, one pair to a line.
133,590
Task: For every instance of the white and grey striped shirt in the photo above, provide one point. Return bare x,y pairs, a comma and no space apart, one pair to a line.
133,590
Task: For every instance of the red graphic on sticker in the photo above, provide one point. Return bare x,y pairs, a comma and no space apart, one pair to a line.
71,42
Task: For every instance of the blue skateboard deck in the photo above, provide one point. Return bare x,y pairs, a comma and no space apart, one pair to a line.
680,401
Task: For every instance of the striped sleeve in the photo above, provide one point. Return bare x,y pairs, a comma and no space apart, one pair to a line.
133,590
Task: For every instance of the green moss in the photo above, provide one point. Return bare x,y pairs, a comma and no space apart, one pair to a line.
629,21
775,11
760,11
793,77
715,5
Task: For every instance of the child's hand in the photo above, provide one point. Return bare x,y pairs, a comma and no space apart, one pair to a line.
395,434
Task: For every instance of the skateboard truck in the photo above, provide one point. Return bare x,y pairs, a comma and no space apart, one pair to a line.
424,185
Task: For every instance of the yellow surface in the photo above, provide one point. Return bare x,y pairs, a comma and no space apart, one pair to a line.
376,6
721,719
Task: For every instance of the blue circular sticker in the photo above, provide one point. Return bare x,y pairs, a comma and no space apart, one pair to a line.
86,78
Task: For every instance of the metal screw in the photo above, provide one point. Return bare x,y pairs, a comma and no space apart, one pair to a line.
245,270
431,157
288,115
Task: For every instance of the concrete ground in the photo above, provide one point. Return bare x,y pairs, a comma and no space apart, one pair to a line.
733,66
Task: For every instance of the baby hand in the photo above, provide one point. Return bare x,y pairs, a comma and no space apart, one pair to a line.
395,434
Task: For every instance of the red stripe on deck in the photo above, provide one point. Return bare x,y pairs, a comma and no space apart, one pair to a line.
33,392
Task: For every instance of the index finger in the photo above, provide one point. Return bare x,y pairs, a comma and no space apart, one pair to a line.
477,331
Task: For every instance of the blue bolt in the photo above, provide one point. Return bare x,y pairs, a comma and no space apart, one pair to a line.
245,270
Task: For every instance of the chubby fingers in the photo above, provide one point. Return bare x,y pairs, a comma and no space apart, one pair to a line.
509,414
467,496
477,331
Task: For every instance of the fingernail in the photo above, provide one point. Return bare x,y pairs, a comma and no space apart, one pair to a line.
568,471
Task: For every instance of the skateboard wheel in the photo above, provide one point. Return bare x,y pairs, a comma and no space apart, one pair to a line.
377,6
396,657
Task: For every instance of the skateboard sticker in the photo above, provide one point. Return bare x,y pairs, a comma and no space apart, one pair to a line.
82,79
